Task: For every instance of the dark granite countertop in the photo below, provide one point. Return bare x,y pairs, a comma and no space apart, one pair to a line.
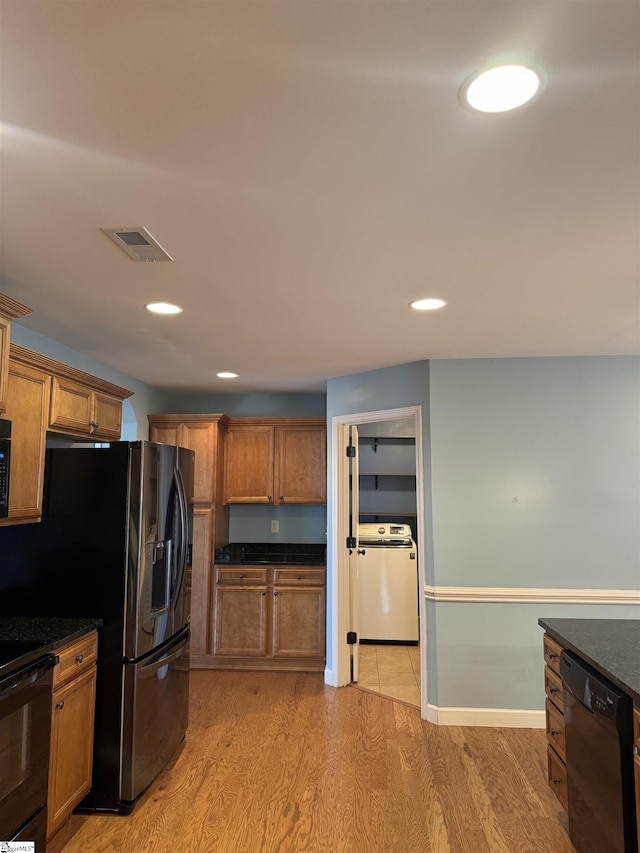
24,639
611,646
266,553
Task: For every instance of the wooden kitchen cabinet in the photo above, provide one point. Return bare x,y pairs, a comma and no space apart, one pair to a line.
269,618
79,409
275,462
554,712
240,613
79,405
28,410
298,613
73,710
30,380
5,336
205,435
9,310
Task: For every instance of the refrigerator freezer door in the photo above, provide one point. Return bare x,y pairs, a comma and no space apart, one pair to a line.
158,539
156,714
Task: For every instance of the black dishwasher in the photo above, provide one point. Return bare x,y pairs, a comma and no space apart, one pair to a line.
598,720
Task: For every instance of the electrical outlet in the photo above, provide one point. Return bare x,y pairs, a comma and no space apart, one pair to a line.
275,526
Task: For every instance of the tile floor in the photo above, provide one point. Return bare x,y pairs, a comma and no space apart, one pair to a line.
392,671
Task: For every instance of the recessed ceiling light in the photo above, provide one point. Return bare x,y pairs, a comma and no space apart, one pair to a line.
226,374
163,308
502,88
427,304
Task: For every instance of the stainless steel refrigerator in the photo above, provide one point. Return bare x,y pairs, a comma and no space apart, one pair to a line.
115,543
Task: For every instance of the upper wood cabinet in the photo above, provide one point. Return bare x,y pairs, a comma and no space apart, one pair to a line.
204,435
78,408
28,411
41,391
9,310
275,462
80,404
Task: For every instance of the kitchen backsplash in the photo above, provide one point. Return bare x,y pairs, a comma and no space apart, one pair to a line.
313,554
252,523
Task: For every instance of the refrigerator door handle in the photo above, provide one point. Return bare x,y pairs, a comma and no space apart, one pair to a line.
181,557
150,669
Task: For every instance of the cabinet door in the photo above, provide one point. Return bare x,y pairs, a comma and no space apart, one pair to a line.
71,405
200,581
107,414
164,434
5,328
202,439
71,753
248,467
301,454
28,411
240,621
298,623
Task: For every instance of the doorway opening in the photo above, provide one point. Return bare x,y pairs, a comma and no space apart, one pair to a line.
390,491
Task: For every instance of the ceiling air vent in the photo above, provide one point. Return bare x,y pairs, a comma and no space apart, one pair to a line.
138,244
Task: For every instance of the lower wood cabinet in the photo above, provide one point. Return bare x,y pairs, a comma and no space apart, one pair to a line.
554,711
71,756
269,618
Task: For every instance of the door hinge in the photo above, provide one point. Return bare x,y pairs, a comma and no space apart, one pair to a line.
351,450
351,541
352,638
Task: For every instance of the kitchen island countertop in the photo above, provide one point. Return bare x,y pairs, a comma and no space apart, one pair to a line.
611,646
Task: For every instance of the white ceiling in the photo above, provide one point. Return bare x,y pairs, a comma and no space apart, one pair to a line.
311,170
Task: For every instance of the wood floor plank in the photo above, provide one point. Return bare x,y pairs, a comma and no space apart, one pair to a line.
281,763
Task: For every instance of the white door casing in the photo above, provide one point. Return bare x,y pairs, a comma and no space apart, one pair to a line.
338,672
354,514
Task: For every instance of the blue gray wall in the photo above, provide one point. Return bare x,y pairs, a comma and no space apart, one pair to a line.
145,399
535,483
247,523
250,405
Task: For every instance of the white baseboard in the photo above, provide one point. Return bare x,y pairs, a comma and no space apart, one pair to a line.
328,677
508,718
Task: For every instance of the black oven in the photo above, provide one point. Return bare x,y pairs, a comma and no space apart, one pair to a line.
25,728
5,457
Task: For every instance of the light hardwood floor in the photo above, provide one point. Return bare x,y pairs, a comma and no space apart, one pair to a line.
281,763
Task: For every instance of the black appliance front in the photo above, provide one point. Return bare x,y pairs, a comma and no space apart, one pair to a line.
5,459
97,553
35,829
25,727
598,720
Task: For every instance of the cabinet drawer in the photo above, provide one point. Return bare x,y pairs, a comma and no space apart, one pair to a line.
298,577
555,729
553,688
244,575
552,651
75,658
557,775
